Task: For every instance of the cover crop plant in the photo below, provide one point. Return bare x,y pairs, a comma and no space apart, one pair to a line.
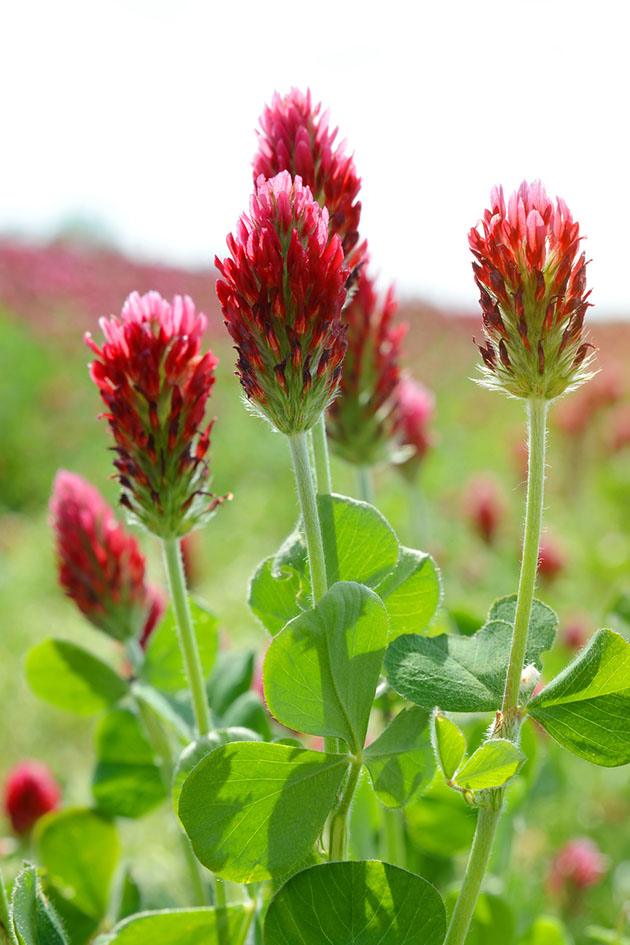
296,812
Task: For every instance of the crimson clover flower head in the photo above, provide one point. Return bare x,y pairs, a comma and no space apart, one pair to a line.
532,283
281,291
359,419
155,382
100,565
30,791
484,506
295,136
579,865
414,406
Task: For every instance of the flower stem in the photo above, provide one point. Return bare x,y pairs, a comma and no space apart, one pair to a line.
310,515
365,484
322,459
537,433
186,631
475,870
339,821
488,818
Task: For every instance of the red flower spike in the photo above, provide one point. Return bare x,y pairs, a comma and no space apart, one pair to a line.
285,280
100,564
532,283
414,405
29,793
295,136
551,559
360,417
155,384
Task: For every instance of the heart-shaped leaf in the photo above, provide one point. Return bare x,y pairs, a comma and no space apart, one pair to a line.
587,707
182,927
70,678
491,766
360,544
449,744
465,674
321,671
366,902
401,759
199,749
80,850
254,810
126,781
163,667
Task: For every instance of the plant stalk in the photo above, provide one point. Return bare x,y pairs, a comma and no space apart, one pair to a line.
310,515
365,484
322,458
186,631
338,847
508,728
537,434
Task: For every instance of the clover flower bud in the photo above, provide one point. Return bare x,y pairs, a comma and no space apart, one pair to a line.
485,507
576,867
101,567
281,293
359,419
155,383
532,283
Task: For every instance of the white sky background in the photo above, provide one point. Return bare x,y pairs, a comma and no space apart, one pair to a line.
140,114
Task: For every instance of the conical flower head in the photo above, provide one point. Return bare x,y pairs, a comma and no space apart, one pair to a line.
532,280
155,383
101,567
281,292
295,136
413,409
359,419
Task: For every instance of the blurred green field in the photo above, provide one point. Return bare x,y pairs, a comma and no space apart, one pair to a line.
48,412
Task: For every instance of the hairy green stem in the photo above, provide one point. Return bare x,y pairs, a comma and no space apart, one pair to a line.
537,433
339,821
508,726
310,515
322,459
475,871
5,915
186,631
365,484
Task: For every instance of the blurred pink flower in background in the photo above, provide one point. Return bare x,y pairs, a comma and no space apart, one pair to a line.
157,605
30,792
412,413
576,867
552,559
484,506
575,633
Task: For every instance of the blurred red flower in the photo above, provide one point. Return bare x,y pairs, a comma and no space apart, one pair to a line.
577,866
101,567
484,506
412,412
30,792
551,558
359,418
